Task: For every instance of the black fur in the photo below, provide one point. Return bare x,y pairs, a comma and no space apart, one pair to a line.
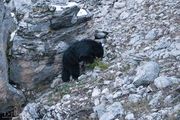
86,50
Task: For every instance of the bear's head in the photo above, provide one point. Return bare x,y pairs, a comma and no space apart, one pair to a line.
99,52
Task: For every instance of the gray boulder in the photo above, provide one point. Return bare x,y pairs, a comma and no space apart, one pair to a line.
109,112
9,97
30,112
146,73
134,98
68,16
163,81
151,35
100,34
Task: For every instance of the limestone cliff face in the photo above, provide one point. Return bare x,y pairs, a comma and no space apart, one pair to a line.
9,96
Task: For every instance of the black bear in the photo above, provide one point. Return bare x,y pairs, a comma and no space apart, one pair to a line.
81,51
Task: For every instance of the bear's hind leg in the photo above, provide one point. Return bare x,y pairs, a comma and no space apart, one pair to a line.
65,75
75,71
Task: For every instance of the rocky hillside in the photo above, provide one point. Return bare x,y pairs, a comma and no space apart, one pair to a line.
139,76
142,80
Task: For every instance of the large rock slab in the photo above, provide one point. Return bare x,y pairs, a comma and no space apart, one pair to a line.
164,81
9,97
146,73
109,112
43,34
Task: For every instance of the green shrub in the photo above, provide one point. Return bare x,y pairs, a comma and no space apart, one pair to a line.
99,64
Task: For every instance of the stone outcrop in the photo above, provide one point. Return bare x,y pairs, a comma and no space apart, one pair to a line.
43,33
9,97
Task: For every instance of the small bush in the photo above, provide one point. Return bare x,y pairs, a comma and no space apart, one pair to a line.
99,64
